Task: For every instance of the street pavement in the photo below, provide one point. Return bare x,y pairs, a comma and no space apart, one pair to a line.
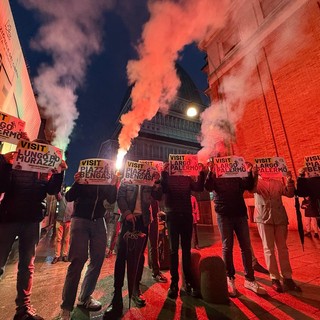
49,279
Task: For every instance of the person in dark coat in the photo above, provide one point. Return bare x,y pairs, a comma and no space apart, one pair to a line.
21,211
154,244
87,236
134,204
177,206
232,218
309,188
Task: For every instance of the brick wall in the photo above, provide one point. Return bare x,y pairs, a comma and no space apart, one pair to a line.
284,117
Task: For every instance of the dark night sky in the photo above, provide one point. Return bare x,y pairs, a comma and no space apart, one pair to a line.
100,98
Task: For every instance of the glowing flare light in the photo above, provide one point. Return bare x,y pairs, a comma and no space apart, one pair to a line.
120,156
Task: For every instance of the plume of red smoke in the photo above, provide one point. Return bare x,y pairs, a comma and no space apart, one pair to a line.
172,25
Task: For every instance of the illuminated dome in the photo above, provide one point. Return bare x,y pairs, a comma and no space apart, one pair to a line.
188,89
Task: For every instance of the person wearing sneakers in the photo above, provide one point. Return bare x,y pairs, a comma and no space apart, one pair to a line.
87,236
232,219
153,242
272,223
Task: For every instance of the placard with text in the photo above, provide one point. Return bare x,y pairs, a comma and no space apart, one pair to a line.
271,167
11,128
139,173
230,167
154,163
37,157
183,165
97,171
312,164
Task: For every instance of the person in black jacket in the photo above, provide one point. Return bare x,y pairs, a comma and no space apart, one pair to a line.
134,203
88,233
21,212
178,208
232,218
310,187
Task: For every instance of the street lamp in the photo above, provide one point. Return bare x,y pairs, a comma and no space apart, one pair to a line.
192,111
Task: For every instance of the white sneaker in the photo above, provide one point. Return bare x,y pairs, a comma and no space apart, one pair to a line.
232,287
255,287
90,305
64,315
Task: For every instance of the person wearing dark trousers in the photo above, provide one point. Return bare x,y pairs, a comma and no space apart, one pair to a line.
153,242
308,187
87,237
21,211
196,218
177,205
134,204
232,219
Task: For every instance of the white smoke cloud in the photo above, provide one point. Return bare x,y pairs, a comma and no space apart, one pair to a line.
71,32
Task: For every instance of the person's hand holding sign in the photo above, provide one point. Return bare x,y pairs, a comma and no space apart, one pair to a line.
116,178
132,219
9,157
289,176
63,165
210,165
77,177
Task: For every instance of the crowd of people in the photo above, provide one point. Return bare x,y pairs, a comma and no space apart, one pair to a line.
83,210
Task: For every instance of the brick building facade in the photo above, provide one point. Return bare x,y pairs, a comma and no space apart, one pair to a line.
270,50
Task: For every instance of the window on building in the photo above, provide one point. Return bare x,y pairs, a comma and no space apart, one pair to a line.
230,41
268,6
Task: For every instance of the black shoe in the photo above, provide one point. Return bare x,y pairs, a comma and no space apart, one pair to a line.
291,285
114,310
316,236
188,290
259,268
159,278
138,299
55,260
65,259
196,293
27,315
276,285
173,291
308,234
